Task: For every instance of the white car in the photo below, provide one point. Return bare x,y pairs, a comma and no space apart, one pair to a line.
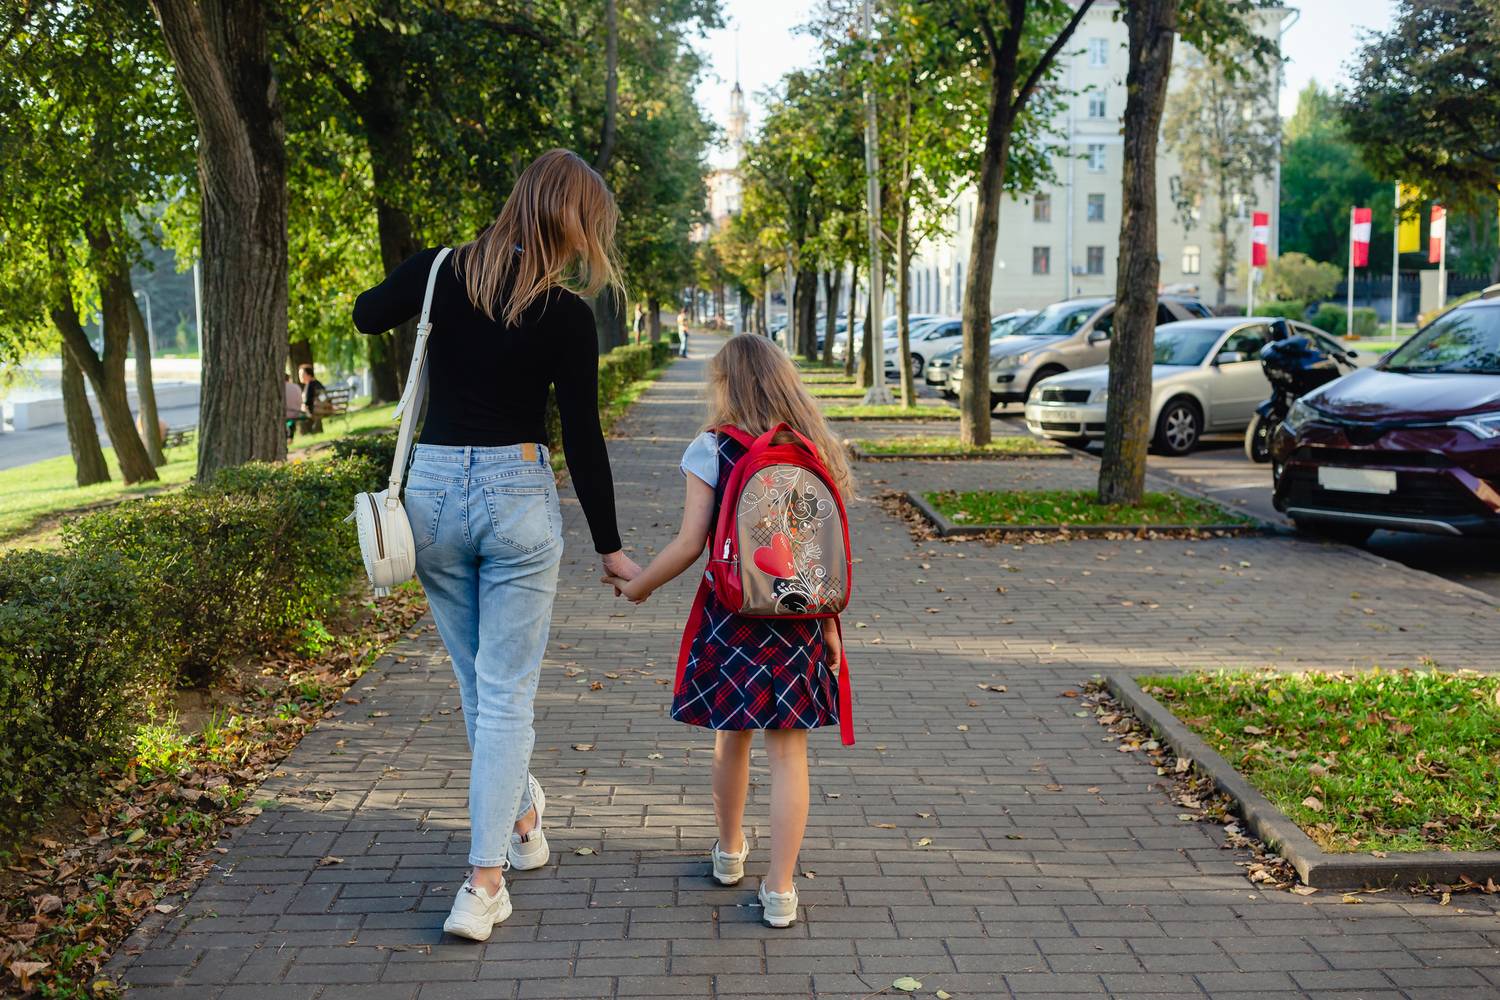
928,339
888,330
1206,378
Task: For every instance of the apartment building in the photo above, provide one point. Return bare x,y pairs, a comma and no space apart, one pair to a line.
1062,240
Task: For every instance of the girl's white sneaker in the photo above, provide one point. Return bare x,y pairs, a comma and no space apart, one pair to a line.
531,851
475,912
778,909
730,868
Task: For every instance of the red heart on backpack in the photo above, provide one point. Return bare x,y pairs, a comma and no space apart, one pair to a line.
776,559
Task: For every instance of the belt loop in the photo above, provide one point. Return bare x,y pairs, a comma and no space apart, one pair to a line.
468,456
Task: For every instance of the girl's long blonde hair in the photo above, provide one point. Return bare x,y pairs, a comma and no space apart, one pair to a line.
557,228
754,386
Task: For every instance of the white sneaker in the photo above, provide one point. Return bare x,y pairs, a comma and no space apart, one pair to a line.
531,851
778,909
475,912
729,868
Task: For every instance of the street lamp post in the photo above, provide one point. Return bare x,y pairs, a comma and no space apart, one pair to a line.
150,326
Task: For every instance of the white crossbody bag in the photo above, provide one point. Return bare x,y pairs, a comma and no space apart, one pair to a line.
385,538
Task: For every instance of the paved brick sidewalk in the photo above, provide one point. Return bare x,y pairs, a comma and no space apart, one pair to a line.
1024,890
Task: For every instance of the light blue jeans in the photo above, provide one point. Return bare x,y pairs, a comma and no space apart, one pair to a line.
488,533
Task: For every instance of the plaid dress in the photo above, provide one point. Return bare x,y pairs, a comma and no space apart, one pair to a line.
754,673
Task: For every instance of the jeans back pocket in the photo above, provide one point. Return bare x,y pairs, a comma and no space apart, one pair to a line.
522,516
423,508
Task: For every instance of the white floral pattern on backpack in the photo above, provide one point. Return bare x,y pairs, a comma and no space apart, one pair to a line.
789,529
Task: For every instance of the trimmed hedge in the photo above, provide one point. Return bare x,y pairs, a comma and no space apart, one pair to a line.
77,663
1285,310
1333,319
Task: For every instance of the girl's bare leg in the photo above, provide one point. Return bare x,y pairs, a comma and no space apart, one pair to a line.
731,785
787,749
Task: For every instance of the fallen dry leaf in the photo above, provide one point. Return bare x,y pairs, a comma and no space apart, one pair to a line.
329,859
906,984
584,851
583,747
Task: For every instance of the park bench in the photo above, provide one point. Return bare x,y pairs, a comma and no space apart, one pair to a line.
176,437
334,402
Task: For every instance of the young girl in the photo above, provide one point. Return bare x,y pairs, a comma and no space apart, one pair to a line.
746,674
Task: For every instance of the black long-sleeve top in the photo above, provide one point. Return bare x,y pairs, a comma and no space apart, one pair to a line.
487,383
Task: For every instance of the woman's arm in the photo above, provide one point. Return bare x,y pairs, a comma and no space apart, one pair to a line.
682,551
396,299
576,379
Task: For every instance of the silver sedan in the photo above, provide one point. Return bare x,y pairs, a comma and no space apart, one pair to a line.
1206,379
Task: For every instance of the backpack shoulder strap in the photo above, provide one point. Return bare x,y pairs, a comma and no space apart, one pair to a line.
739,436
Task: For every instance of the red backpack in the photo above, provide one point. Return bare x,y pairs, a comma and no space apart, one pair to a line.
780,545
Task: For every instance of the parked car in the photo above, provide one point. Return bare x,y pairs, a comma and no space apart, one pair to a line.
939,366
888,335
1206,377
927,339
1411,443
1073,333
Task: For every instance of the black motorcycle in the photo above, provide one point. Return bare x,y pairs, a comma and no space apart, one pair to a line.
1295,364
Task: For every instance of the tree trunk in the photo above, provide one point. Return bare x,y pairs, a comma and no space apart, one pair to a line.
903,300
833,282
145,388
83,437
1006,100
867,351
653,319
609,319
298,353
807,319
1152,26
611,86
853,306
222,59
1225,248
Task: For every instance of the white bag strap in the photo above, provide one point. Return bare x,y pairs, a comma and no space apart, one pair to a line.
416,386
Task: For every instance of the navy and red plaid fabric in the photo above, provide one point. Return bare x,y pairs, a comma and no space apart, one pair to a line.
754,673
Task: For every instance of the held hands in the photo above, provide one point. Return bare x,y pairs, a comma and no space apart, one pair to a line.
619,571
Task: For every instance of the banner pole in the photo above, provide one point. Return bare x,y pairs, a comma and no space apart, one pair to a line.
1250,272
1349,296
1443,265
1395,259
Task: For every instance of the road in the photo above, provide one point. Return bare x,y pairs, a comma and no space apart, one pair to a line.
24,447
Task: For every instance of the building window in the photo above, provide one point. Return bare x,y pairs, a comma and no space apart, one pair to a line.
1096,208
1192,259
1095,261
1096,106
1041,208
1041,260
1096,157
1098,52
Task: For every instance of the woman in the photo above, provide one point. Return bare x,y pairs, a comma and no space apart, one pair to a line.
507,323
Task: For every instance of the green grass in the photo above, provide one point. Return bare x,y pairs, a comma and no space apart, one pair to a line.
827,378
894,411
1009,444
805,366
1378,760
1074,507
30,493
836,391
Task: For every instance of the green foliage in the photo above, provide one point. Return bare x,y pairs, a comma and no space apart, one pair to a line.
1424,105
377,449
1377,760
1295,276
1322,175
240,561
77,661
1286,310
1333,319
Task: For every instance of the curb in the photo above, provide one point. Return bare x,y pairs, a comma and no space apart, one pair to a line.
908,418
947,529
1316,867
864,456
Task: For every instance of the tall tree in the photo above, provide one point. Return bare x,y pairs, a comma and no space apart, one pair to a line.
1221,28
223,60
1016,45
1223,126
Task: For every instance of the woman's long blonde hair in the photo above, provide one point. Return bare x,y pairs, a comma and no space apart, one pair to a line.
753,385
557,229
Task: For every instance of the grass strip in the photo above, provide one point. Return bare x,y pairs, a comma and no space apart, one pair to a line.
1371,761
1074,507
836,391
894,411
1009,444
828,378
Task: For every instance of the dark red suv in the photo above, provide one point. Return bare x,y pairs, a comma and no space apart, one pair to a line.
1410,444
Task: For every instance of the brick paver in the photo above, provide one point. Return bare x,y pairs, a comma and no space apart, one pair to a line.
1025,890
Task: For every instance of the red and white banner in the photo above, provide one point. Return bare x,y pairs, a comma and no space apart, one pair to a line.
1359,237
1260,237
1437,234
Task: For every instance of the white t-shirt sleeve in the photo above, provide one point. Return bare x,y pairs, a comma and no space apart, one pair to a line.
702,458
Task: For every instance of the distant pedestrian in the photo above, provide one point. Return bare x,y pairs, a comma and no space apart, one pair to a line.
293,406
739,674
682,333
312,397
